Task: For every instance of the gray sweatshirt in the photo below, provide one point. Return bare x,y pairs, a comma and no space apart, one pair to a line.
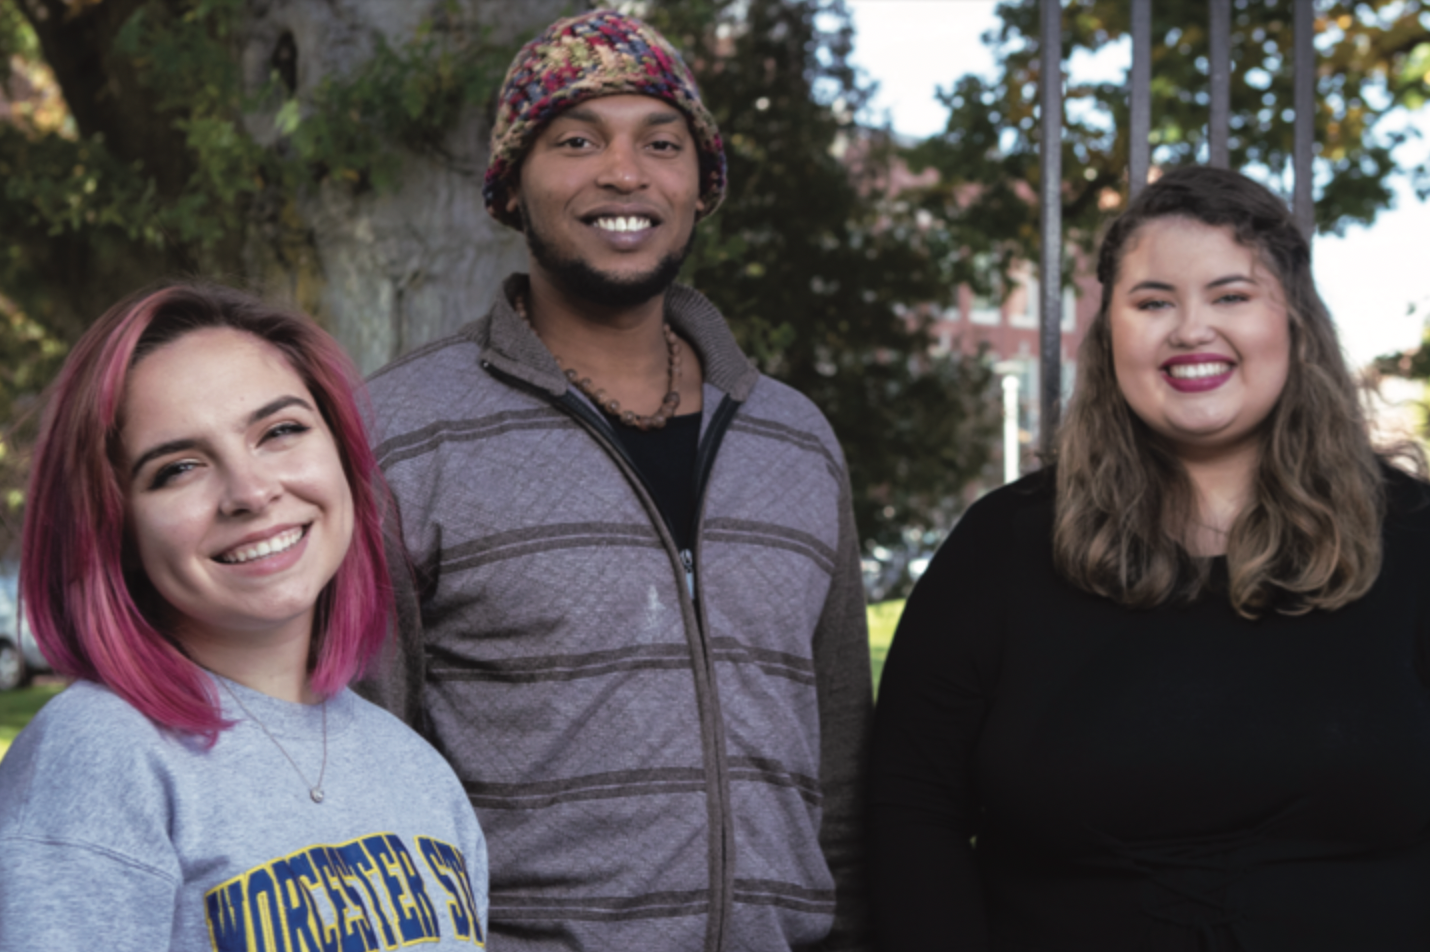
117,834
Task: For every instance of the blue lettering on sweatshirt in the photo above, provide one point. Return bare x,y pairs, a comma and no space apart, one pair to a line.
366,895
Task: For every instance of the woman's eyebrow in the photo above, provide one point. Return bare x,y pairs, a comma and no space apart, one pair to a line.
1151,286
273,406
1230,279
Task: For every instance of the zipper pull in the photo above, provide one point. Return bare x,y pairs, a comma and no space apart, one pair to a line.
687,559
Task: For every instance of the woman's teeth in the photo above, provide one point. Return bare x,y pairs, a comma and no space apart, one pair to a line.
279,543
623,224
1192,371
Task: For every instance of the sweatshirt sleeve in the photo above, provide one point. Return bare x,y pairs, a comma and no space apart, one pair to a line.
933,698
845,697
59,895
86,861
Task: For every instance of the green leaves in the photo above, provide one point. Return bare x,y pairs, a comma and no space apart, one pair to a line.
824,276
1368,54
403,97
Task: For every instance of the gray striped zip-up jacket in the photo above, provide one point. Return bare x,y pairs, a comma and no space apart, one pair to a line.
654,770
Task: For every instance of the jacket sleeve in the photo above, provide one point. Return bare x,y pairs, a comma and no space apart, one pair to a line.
394,680
933,698
845,694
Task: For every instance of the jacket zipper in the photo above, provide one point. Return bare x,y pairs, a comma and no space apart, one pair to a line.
687,559
704,462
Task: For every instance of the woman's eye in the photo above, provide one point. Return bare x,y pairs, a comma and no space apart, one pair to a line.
1153,304
574,142
1235,297
170,471
290,428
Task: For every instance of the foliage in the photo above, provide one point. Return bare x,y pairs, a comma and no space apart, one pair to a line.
192,208
125,155
412,94
818,269
1373,55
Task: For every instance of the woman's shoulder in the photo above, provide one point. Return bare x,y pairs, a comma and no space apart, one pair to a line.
381,726
1004,528
1407,499
87,754
1011,507
406,753
86,719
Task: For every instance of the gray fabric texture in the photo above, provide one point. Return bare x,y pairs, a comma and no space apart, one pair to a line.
118,835
653,771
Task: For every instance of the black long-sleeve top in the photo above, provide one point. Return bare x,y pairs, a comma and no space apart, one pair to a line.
1055,773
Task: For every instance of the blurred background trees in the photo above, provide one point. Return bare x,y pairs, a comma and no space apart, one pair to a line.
1373,56
330,153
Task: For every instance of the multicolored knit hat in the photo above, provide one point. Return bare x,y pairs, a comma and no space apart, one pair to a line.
601,53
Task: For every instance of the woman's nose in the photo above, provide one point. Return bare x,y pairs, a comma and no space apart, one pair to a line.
249,488
1194,326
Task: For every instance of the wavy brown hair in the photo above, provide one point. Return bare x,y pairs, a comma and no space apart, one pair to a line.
1310,536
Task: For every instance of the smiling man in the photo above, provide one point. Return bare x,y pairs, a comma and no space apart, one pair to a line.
637,629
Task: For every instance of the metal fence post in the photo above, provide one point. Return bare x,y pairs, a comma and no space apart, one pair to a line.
1304,81
1050,357
1219,127
1139,136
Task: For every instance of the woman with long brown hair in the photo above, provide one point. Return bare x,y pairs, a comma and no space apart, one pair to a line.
1170,693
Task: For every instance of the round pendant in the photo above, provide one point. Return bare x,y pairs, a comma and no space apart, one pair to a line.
317,794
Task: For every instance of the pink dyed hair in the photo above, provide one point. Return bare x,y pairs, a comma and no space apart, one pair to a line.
79,581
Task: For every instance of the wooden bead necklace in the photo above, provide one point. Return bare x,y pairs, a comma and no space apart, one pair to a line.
611,406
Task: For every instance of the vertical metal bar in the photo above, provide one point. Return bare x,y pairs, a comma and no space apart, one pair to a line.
1304,80
1050,355
1140,152
1012,463
1219,127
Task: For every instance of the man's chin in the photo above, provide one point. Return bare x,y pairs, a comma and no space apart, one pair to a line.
583,281
613,290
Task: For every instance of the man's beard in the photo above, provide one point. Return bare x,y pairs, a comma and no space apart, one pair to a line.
582,281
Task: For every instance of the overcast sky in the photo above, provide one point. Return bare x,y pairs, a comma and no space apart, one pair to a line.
1369,278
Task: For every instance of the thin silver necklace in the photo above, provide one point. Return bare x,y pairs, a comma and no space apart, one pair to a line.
315,790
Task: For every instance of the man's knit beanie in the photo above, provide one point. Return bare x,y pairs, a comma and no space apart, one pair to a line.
601,53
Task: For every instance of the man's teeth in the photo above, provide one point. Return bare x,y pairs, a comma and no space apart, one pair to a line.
631,223
283,540
1193,371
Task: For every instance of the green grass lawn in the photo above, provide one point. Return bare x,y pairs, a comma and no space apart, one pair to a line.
883,619
17,707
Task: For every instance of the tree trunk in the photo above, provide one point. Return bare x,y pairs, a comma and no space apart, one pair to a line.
390,271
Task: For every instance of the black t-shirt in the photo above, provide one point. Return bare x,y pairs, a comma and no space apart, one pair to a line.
665,459
1178,779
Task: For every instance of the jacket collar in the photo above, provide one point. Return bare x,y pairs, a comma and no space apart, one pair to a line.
510,345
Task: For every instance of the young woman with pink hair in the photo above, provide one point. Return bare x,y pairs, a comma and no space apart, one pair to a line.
203,553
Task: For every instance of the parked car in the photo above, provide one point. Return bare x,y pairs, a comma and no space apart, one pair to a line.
20,657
